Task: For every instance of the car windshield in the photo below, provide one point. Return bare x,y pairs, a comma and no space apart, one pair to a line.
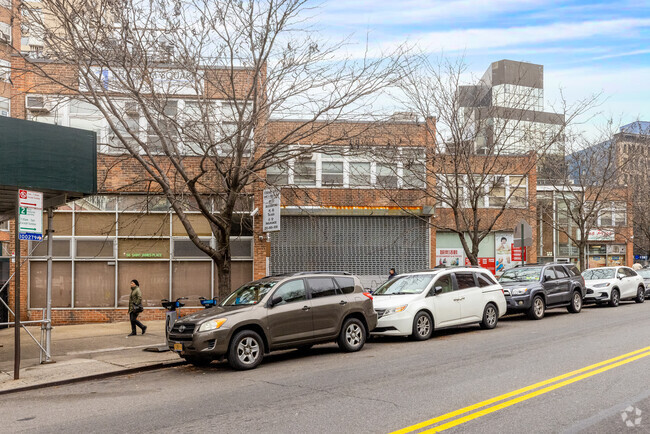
411,284
644,273
251,293
598,273
524,274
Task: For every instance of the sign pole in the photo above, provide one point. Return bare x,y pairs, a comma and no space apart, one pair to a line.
17,297
523,261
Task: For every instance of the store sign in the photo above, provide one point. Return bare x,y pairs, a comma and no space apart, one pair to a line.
600,235
487,263
641,257
271,211
449,257
516,254
30,215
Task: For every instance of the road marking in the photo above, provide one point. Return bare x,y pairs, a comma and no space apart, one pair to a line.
612,363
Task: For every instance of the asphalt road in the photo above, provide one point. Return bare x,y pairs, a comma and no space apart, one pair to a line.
390,385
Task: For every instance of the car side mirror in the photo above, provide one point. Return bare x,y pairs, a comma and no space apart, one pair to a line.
620,277
275,301
437,290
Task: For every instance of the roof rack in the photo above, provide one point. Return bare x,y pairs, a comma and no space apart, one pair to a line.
302,273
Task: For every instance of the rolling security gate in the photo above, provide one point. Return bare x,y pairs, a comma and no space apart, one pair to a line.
363,245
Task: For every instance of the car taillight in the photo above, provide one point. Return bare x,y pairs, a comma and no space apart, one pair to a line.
367,294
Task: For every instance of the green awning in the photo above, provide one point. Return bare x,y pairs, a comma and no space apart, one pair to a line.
59,161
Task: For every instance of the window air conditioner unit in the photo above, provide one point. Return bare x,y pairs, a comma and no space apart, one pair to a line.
37,104
4,113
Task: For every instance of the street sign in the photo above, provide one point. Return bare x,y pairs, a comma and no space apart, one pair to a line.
527,234
30,215
271,211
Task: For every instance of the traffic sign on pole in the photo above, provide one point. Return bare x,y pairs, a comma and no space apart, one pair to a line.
30,215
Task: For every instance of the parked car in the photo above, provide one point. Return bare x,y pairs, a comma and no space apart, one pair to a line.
645,273
613,284
414,304
534,288
277,312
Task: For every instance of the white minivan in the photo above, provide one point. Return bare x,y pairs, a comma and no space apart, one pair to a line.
414,304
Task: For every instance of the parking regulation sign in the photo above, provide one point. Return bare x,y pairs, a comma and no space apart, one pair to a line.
30,215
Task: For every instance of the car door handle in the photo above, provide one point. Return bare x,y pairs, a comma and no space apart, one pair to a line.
306,307
343,302
459,299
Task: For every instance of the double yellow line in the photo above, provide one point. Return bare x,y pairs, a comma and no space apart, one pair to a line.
519,395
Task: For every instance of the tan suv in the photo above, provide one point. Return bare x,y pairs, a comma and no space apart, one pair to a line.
277,312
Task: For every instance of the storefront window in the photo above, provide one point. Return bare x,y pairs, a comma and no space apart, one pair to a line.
153,277
143,225
191,280
60,248
95,224
61,284
95,249
94,284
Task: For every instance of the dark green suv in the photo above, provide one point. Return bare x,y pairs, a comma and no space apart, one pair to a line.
534,288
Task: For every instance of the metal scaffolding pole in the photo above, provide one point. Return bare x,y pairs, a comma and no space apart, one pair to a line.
48,325
17,296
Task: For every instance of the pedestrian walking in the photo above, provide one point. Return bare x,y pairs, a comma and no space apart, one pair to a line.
391,273
135,307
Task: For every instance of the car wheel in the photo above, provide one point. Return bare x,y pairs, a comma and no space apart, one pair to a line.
615,298
576,302
198,361
537,309
246,350
640,295
422,326
352,335
490,317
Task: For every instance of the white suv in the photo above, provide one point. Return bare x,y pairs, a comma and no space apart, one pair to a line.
414,304
613,284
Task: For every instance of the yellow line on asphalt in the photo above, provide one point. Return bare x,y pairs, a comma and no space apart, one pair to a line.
519,399
478,405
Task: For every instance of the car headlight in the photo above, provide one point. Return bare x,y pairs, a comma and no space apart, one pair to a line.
519,291
602,285
394,310
212,325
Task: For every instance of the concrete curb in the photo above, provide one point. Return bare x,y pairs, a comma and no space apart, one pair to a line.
126,371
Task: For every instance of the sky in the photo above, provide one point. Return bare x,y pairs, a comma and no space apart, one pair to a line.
586,47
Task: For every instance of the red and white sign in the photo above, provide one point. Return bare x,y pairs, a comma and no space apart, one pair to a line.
516,254
487,263
30,199
449,257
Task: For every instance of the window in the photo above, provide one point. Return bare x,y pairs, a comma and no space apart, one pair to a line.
386,176
5,107
560,273
465,280
484,280
628,272
413,168
346,284
444,282
360,174
5,33
165,127
332,174
613,214
573,270
321,287
60,248
95,249
5,3
497,195
187,249
277,175
291,291
87,117
518,193
4,226
5,70
304,172
235,125
549,274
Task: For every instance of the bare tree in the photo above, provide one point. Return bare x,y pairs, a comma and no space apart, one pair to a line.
589,190
186,89
484,149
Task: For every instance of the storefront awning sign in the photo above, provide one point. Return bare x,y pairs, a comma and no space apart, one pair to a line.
600,235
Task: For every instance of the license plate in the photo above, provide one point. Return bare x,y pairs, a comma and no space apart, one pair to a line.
178,347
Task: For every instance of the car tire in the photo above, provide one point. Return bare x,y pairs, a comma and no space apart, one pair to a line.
490,317
352,336
640,295
537,308
197,361
246,350
422,326
614,298
576,302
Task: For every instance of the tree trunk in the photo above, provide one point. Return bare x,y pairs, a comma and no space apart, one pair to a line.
223,263
582,257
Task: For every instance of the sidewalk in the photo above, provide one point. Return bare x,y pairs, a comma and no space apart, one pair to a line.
81,351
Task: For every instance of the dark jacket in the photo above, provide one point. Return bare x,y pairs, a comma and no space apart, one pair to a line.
135,298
